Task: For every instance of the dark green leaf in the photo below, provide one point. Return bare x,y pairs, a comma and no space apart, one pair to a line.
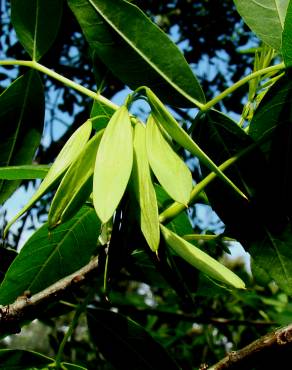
36,23
273,253
265,18
18,359
287,37
118,31
21,117
49,256
221,138
126,344
274,117
25,172
181,224
271,109
100,115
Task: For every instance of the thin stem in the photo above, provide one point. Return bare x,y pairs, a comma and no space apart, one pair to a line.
80,309
207,237
203,107
240,83
66,81
176,208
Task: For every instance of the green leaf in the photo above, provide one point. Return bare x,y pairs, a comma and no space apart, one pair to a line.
126,344
67,155
181,224
221,138
21,117
100,115
51,255
275,106
113,164
265,18
36,23
274,118
76,185
201,260
287,37
167,121
144,189
168,167
25,172
18,359
119,31
273,253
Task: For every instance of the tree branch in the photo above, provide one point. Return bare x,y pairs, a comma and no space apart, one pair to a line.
27,308
266,352
183,316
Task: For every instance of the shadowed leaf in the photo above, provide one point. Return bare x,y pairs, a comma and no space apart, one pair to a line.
36,23
50,255
126,344
21,117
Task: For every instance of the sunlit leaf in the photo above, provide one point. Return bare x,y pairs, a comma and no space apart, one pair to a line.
144,189
68,154
113,164
76,185
19,359
168,167
167,121
119,31
21,117
124,343
36,23
265,18
201,260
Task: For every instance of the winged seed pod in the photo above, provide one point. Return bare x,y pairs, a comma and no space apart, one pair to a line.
170,170
144,189
113,164
201,260
67,155
168,122
76,185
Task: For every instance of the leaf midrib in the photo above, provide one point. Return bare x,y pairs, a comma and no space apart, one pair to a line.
35,31
161,73
55,250
274,245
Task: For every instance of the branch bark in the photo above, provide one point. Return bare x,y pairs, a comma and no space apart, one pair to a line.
27,308
268,352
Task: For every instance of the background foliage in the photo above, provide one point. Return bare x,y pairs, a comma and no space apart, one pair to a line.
136,293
